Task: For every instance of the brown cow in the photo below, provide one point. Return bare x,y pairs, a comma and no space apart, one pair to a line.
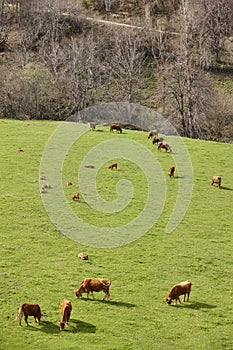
182,288
172,171
92,125
116,127
113,166
76,197
216,180
29,309
65,308
83,256
157,139
165,146
93,285
152,133
69,183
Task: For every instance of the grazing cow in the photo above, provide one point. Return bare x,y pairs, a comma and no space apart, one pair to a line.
116,127
93,285
83,256
69,183
47,186
157,139
172,171
43,177
65,308
76,197
165,146
20,149
216,180
29,309
152,133
183,288
113,166
42,189
92,125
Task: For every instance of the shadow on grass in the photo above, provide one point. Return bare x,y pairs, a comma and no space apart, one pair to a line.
194,306
226,188
115,303
75,326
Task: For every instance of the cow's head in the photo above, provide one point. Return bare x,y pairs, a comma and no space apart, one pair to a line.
168,300
78,292
62,325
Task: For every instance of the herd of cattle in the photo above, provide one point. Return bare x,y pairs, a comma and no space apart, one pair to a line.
91,285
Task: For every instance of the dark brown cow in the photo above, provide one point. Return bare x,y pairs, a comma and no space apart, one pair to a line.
183,288
216,180
172,171
116,127
164,146
113,166
29,309
157,139
69,183
65,308
93,285
76,197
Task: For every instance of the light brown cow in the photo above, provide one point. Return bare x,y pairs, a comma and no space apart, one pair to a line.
164,146
65,308
29,309
172,171
116,127
92,125
216,180
76,197
153,132
183,288
113,166
83,256
93,285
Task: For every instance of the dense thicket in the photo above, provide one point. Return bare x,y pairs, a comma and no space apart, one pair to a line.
54,62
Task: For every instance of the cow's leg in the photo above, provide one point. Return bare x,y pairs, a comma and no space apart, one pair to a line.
20,318
92,294
179,300
188,296
87,295
26,319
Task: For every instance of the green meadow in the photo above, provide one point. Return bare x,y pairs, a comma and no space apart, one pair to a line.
39,264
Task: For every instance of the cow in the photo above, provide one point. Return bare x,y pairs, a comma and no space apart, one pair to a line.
29,309
113,166
165,146
47,186
42,189
76,197
172,171
116,127
20,149
65,309
92,125
83,256
183,288
43,177
216,180
93,285
157,139
69,183
153,132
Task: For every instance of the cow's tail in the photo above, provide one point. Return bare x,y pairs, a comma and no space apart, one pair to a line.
20,314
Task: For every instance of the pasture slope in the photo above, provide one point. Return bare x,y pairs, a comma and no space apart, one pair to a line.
39,264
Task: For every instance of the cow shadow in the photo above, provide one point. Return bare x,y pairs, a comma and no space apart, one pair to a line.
195,305
226,188
75,326
114,303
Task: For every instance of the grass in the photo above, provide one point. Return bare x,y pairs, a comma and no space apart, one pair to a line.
39,264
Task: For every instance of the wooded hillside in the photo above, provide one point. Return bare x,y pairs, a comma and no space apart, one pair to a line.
57,58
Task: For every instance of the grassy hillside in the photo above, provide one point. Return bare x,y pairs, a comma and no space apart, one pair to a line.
39,264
